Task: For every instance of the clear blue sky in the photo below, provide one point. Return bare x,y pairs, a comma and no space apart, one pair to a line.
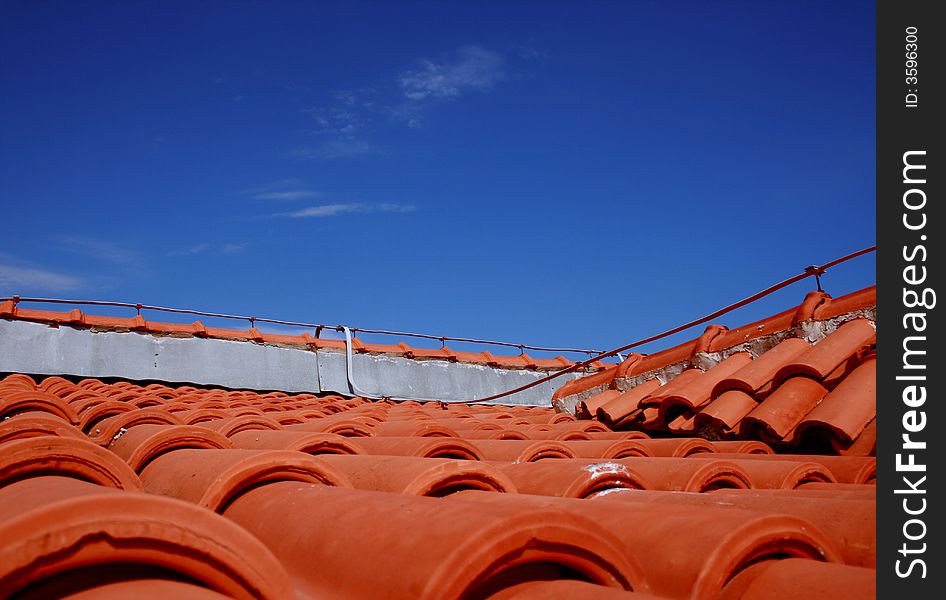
544,172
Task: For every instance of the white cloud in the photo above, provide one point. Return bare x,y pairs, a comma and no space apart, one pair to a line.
287,190
97,249
13,278
350,112
530,52
326,210
475,68
350,118
390,207
333,210
408,112
343,147
201,248
287,195
191,251
274,186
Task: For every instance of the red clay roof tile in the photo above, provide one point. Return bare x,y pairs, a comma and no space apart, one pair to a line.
720,542
428,447
143,443
689,475
778,415
469,548
364,541
58,527
569,478
793,578
824,357
215,478
850,519
301,441
768,397
36,424
753,376
849,407
418,476
627,403
13,401
64,457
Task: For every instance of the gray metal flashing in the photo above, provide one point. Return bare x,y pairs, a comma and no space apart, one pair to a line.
42,349
395,376
37,348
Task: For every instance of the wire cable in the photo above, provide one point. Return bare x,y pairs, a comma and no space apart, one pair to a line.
811,271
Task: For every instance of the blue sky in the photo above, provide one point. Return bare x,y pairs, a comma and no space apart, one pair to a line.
540,172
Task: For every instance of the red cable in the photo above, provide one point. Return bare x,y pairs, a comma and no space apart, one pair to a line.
813,271
809,272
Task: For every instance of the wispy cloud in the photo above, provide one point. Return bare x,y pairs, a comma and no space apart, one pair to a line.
345,124
474,68
348,113
401,208
275,186
530,52
342,147
14,278
334,210
99,250
325,210
206,247
288,195
341,125
288,190
190,251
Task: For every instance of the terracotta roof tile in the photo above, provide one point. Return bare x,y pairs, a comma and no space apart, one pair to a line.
720,542
143,443
849,407
418,476
55,528
470,548
776,417
64,457
427,447
301,441
774,474
850,519
570,478
826,356
13,401
808,386
508,502
626,403
566,589
215,478
772,580
756,374
36,424
688,475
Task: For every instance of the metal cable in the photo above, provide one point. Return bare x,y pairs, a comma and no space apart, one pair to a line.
810,271
316,326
